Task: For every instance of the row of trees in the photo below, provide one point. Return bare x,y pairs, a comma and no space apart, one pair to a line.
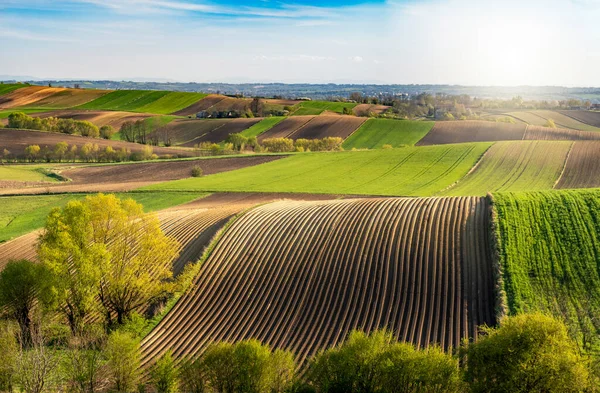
527,353
236,143
65,126
63,152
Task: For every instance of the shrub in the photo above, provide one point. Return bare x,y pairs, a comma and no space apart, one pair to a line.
197,171
278,145
192,376
164,374
386,146
527,353
550,123
85,128
107,132
123,360
9,350
238,141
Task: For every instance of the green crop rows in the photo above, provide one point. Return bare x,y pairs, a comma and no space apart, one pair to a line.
262,126
375,133
318,107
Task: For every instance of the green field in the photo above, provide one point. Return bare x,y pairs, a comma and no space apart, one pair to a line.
9,87
375,133
124,100
171,102
414,171
262,126
549,245
5,113
25,173
318,107
22,214
515,166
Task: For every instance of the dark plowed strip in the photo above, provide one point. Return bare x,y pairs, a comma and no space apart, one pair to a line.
219,134
444,132
329,126
582,169
301,275
559,134
201,105
587,117
285,128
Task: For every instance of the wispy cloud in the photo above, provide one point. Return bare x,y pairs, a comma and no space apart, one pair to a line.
25,35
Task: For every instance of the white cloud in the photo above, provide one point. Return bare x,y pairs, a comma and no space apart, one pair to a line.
356,59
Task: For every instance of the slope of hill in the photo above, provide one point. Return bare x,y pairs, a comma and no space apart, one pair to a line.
68,98
301,275
411,171
124,100
582,169
549,243
472,131
375,133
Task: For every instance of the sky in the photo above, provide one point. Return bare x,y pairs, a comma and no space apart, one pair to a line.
463,42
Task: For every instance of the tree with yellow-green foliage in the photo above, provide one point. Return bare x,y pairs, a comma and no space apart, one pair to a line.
106,254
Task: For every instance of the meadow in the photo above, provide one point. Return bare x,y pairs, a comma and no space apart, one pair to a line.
318,107
375,133
22,214
264,125
124,100
9,87
408,171
171,102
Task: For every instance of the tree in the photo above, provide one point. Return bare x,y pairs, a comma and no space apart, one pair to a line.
237,140
192,376
550,123
123,361
127,131
37,365
527,353
66,126
165,375
9,350
60,150
107,131
18,120
32,152
23,286
84,363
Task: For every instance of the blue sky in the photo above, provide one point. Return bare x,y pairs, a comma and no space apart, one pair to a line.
470,42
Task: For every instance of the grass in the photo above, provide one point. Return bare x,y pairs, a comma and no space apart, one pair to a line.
171,102
34,173
22,214
549,248
124,100
5,113
414,171
515,166
318,107
10,87
262,126
374,133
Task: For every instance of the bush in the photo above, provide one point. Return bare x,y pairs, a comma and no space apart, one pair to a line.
238,141
164,375
107,132
123,360
85,128
386,146
278,145
527,353
9,350
197,171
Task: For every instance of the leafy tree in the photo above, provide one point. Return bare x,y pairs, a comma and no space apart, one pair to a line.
238,141
66,126
85,128
527,353
9,350
550,123
84,363
60,150
23,285
123,361
37,366
127,131
192,376
165,375
32,151
107,131
18,120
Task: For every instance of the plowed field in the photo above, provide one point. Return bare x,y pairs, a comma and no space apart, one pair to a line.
190,133
329,126
559,134
301,275
515,166
26,96
69,98
285,128
582,169
587,117
99,118
444,132
201,105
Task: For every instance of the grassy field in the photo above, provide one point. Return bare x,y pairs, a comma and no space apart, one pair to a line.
375,133
318,107
515,166
124,100
9,87
415,171
264,125
25,173
22,214
549,245
171,102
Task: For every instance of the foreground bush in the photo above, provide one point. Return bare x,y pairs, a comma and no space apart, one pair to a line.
527,353
378,363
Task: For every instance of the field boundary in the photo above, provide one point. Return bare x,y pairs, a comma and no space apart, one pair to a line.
477,164
562,172
501,299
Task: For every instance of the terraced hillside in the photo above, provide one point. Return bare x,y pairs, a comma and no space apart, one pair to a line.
515,166
410,171
549,243
375,133
301,275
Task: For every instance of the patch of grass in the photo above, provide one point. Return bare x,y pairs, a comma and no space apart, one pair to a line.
549,248
124,100
414,171
22,214
171,102
33,173
515,166
262,126
10,87
318,107
374,133
5,113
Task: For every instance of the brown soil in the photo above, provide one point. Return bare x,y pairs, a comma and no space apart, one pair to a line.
365,109
285,128
587,117
329,126
444,132
282,102
559,134
69,98
302,275
201,105
99,118
26,96
582,168
219,134
17,140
